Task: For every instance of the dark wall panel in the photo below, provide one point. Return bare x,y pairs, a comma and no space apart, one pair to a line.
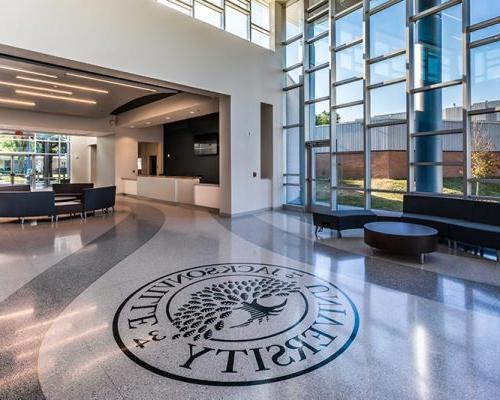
179,144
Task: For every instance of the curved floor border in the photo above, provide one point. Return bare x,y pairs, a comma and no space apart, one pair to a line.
73,274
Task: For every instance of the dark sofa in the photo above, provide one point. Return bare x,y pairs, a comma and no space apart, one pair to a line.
71,189
101,198
15,188
22,204
467,221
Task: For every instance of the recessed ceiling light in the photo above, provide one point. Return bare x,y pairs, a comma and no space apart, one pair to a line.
148,123
50,96
19,85
132,126
25,71
191,112
58,84
167,118
91,78
18,102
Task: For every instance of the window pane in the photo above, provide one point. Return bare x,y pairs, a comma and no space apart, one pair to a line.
349,63
387,201
319,52
446,148
319,83
349,92
422,5
293,77
245,4
481,10
293,195
236,22
349,158
318,26
346,115
292,155
386,70
293,105
321,175
319,120
485,76
207,14
485,33
260,14
388,102
485,155
438,47
341,5
387,30
294,19
350,169
389,158
293,52
438,109
350,199
349,134
217,3
176,6
349,28
375,3
260,38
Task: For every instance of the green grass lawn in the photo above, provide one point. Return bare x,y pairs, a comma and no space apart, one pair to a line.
394,201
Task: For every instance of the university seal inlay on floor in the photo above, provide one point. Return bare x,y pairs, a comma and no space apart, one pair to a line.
236,324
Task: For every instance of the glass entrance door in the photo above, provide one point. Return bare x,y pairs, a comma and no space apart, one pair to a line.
21,169
15,169
5,170
318,178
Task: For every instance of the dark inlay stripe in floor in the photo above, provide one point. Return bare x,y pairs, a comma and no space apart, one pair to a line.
430,285
49,293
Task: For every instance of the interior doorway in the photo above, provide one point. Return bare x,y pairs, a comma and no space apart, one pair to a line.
147,158
153,166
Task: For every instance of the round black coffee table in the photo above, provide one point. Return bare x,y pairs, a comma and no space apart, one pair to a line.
401,238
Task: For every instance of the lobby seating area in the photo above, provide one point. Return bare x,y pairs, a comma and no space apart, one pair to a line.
467,222
18,201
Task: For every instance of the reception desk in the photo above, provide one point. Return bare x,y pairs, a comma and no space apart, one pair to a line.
206,195
176,189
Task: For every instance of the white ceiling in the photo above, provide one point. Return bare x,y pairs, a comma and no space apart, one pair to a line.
174,108
13,72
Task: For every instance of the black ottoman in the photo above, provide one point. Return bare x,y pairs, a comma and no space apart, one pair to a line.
344,219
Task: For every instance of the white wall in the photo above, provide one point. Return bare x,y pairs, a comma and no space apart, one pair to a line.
80,158
127,146
105,170
145,38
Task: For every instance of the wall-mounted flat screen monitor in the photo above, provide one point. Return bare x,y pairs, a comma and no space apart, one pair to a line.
206,145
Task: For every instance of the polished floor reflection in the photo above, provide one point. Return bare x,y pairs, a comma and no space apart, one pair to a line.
167,302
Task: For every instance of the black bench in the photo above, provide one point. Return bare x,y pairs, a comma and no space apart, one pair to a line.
343,219
472,222
15,188
101,198
74,190
22,204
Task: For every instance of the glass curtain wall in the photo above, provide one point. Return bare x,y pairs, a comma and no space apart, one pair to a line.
406,100
248,19
37,159
293,77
